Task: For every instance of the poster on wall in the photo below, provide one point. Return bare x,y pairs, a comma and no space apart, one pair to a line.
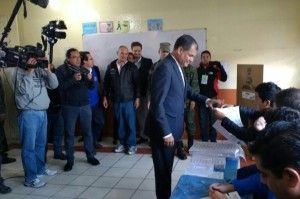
122,26
89,28
155,24
106,26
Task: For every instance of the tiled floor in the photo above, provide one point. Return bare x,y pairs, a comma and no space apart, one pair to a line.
119,176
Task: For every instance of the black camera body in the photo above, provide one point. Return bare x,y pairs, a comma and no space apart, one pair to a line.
51,31
18,57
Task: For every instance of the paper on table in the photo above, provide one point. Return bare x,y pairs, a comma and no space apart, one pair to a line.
219,149
203,170
231,195
218,162
233,113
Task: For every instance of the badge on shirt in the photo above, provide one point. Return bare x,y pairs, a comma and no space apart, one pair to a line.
204,79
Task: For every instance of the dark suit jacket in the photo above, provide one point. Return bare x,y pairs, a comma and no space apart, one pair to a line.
168,93
144,71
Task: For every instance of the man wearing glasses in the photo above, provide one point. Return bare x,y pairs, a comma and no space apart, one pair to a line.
74,83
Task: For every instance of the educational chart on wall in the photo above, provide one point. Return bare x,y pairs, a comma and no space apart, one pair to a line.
104,46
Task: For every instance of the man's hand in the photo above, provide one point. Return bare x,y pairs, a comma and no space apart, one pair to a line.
77,76
227,105
169,141
218,114
136,103
48,69
31,62
214,103
222,188
260,124
192,105
148,105
89,76
216,195
105,104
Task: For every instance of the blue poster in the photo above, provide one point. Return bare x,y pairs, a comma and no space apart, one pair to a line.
155,24
89,28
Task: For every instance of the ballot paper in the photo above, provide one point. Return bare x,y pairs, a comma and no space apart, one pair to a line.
203,170
233,113
218,162
223,149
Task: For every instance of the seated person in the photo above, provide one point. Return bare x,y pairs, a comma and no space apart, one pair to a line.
268,150
265,95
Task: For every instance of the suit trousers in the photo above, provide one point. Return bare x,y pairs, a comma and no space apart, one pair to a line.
163,158
97,122
141,114
70,115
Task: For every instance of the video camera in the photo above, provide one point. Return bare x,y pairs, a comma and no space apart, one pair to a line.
18,56
51,32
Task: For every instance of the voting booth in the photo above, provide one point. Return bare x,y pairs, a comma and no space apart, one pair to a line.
248,77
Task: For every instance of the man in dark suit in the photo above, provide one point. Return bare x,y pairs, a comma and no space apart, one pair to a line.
144,66
164,124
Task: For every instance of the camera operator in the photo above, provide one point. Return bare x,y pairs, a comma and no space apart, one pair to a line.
30,85
74,82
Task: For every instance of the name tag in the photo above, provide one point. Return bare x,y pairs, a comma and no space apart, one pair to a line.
204,79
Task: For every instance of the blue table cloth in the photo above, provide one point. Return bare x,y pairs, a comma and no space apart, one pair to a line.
194,187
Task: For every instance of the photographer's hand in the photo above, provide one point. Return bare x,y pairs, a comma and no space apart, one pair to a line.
48,69
77,76
89,76
30,64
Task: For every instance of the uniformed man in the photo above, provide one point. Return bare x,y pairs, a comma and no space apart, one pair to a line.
164,50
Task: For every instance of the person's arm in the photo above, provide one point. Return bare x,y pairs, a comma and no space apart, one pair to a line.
160,84
223,188
100,83
250,185
65,79
222,73
195,85
250,113
194,81
86,79
242,133
106,82
50,78
135,80
192,95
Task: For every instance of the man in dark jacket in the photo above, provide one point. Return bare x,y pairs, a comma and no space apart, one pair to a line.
74,82
121,86
209,75
144,65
